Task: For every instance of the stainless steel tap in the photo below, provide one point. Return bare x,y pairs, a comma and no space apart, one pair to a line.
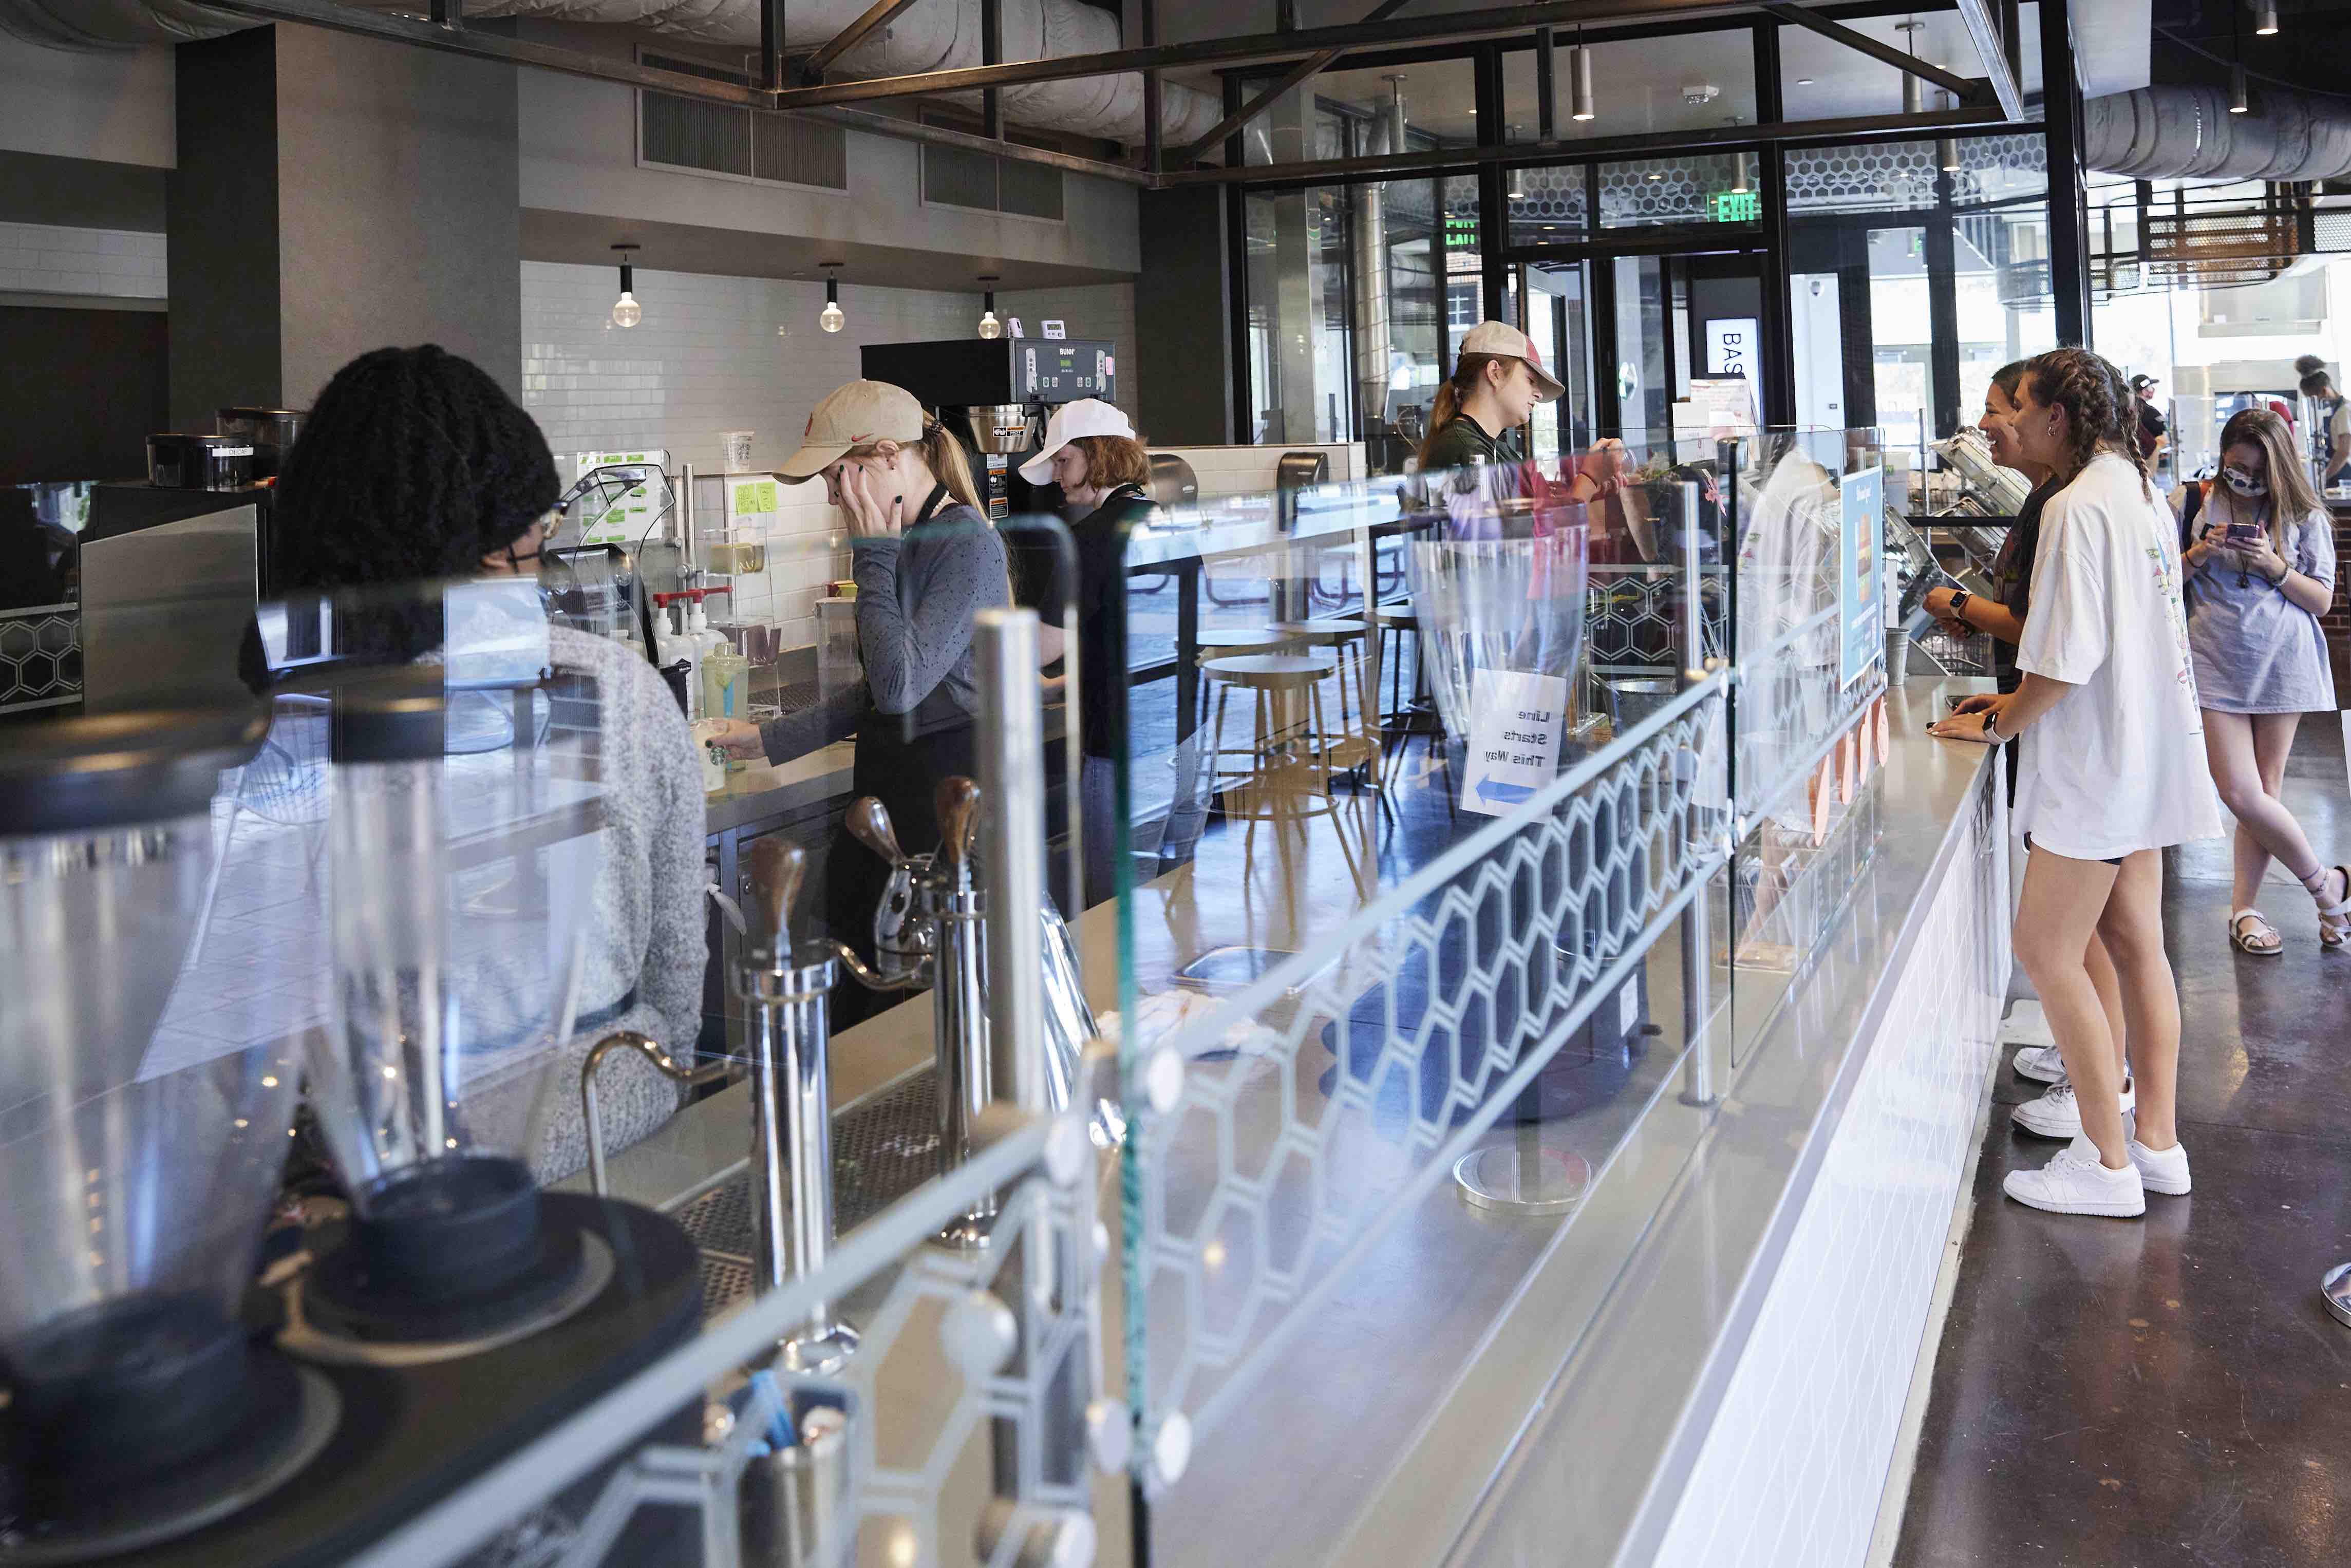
905,937
956,912
791,1109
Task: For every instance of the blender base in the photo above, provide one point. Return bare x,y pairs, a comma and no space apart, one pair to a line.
293,1415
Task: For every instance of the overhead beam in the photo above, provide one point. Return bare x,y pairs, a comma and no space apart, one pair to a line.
881,14
1586,148
1988,34
1261,48
1966,88
1298,76
628,73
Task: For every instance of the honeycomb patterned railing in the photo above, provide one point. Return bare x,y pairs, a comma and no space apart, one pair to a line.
40,657
953,1352
1489,958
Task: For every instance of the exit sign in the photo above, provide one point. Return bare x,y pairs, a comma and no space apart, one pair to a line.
1460,233
1736,206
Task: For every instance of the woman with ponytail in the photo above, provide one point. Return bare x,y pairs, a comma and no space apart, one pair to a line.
2112,774
1495,387
927,561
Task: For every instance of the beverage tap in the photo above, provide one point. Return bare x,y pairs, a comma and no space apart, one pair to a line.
957,914
903,936
791,1109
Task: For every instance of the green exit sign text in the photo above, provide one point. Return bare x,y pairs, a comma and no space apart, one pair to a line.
1736,206
1460,234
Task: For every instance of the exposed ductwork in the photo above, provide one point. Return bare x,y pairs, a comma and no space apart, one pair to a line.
2166,133
936,34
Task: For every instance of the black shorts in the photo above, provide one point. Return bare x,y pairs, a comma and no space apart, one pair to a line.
2028,846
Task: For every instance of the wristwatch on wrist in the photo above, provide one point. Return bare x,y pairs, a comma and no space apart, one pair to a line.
1959,604
1991,718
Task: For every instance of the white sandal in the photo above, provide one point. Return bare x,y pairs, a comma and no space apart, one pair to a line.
2334,919
2249,944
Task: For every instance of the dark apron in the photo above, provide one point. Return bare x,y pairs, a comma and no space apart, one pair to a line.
900,759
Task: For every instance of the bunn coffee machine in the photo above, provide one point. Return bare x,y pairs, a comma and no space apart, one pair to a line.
995,395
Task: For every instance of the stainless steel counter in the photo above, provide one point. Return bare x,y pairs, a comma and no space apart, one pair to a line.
1489,1387
762,789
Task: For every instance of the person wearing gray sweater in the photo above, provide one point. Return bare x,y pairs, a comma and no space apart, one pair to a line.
414,466
927,561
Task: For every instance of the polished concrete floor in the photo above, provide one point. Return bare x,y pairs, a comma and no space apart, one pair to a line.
2172,1391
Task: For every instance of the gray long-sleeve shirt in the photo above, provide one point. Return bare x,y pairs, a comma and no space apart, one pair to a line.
916,596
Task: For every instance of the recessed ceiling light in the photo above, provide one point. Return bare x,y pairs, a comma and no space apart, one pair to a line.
1803,81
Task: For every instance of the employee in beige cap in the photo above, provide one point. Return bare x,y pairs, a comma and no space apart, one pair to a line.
927,561
1494,389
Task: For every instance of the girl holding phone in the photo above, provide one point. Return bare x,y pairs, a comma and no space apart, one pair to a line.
2261,572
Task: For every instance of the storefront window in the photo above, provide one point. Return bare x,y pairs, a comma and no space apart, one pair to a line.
1821,78
1694,190
1352,112
1299,341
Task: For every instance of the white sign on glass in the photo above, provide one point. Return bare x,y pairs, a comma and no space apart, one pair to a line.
1732,343
1515,721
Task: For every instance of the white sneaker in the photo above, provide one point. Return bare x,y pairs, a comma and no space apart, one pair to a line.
2056,1115
2160,1170
2075,1182
2041,1063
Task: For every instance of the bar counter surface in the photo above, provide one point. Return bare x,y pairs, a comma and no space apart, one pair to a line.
1496,1388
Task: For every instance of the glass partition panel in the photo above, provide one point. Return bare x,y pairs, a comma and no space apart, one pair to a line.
1444,769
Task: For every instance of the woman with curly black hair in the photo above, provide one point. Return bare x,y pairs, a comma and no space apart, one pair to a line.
415,466
2112,774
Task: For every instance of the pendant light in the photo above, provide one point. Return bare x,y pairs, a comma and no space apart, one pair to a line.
626,311
1739,185
1514,184
1914,90
831,320
2265,22
990,327
1579,79
2239,102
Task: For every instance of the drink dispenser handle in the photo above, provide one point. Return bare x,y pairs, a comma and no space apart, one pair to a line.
779,867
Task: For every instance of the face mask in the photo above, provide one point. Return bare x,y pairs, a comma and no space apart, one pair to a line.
2249,486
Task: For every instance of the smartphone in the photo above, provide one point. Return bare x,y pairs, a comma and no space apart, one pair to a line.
1955,702
2243,535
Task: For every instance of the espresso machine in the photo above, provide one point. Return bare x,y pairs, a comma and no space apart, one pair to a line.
429,1309
995,395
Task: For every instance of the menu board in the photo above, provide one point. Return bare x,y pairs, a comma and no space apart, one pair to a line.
1861,552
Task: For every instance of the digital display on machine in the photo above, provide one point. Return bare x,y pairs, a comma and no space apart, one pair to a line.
1058,372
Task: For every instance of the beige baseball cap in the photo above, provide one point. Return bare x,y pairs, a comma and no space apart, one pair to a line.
1085,416
1500,337
857,414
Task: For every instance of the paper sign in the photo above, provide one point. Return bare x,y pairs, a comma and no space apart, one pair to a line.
754,497
1515,722
622,505
1053,330
1731,345
1860,549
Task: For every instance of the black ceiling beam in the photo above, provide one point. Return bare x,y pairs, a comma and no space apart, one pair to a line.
624,72
1259,47
881,14
1583,149
1298,76
1968,89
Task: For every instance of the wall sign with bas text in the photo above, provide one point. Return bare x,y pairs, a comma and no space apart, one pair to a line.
1515,721
1731,345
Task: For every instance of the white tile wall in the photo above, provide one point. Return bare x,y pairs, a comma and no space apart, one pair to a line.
715,354
47,258
1796,1458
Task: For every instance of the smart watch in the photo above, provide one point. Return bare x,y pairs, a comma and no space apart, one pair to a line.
1959,604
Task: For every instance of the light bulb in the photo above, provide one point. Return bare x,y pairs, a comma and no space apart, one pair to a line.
990,327
626,311
832,318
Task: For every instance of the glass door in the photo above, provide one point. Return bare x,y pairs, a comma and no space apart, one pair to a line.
1553,306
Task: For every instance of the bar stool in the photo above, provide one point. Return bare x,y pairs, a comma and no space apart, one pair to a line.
1403,717
1275,680
1339,635
1224,643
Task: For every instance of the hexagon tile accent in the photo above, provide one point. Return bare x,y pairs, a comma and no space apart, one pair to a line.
40,657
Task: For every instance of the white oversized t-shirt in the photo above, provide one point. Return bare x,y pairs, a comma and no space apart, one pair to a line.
2117,765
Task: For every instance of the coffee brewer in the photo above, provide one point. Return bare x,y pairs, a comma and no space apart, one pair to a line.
995,394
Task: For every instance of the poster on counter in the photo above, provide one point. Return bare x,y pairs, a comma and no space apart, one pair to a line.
1515,721
1861,550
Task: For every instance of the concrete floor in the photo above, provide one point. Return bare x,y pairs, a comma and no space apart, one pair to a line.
2172,1391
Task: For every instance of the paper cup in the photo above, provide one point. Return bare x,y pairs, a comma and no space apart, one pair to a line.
737,446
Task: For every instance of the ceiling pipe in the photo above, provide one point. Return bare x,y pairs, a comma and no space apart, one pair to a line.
938,35
2171,132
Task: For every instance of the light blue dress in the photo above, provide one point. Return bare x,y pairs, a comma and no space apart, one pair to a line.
2256,650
